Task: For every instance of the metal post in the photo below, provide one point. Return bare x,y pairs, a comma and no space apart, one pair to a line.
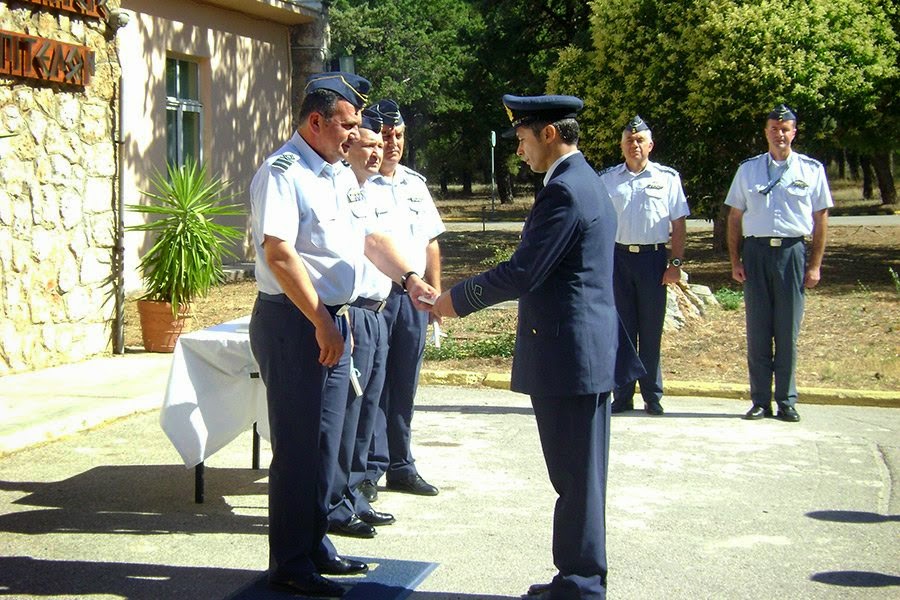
493,178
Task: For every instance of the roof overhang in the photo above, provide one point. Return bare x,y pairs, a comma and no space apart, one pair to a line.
287,12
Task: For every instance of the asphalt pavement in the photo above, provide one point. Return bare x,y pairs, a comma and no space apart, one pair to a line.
95,502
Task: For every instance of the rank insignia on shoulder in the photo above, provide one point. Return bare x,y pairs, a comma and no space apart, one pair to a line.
799,183
284,161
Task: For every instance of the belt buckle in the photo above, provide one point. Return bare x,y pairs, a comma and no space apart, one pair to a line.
381,305
634,248
342,310
775,242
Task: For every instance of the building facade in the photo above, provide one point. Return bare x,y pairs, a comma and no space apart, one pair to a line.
98,95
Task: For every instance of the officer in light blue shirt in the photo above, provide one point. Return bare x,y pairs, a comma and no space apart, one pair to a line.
351,515
405,207
650,203
309,257
776,200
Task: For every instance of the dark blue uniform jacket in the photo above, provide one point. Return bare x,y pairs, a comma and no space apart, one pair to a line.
569,332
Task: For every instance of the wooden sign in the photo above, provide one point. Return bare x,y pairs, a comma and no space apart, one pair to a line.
38,58
86,8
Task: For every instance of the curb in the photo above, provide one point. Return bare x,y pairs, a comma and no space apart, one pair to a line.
731,391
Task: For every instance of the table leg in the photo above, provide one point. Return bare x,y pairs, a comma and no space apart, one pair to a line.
199,491
255,462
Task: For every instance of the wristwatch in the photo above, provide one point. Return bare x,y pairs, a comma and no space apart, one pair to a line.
675,262
405,277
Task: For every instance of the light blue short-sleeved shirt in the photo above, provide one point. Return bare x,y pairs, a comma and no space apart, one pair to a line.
779,200
646,202
372,283
298,197
404,207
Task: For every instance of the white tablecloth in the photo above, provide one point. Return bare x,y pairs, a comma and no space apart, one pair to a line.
211,398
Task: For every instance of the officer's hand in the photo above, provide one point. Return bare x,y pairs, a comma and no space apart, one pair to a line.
415,287
671,275
331,343
812,277
737,272
443,306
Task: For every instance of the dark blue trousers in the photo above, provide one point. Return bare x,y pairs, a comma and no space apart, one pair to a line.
641,302
774,300
306,403
391,443
369,353
574,432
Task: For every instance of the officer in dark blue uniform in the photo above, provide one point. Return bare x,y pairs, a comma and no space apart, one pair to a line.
569,338
308,257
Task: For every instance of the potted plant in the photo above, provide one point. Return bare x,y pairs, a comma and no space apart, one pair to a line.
185,260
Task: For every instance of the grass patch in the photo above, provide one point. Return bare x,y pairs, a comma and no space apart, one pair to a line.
729,299
501,346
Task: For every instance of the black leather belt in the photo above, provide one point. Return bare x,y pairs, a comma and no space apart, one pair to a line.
638,248
775,242
337,310
369,304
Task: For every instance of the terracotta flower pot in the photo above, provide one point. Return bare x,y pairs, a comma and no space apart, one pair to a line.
159,330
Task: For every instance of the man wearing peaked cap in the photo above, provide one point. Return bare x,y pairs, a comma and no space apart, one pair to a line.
350,514
349,86
777,200
568,341
308,253
407,213
652,208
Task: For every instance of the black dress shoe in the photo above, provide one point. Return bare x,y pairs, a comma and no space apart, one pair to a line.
368,489
373,517
537,589
342,566
758,412
313,585
619,407
353,527
788,413
653,408
413,485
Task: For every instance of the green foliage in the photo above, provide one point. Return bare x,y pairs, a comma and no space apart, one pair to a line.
729,299
703,73
896,279
500,346
186,257
501,253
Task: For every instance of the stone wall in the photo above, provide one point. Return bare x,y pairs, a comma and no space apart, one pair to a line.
57,200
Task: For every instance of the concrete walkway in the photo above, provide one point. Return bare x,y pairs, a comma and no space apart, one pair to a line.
701,503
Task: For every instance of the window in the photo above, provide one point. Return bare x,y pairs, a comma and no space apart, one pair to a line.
184,113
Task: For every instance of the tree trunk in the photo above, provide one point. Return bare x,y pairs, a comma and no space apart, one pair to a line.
866,164
881,163
445,183
720,229
505,190
853,165
467,182
842,164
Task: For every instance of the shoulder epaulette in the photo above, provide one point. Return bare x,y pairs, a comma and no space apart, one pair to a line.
606,170
752,158
414,173
666,169
809,159
285,160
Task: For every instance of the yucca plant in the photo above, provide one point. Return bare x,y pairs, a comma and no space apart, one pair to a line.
186,258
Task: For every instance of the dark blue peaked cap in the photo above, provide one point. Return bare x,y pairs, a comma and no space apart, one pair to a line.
349,86
523,110
635,125
782,113
389,111
371,119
